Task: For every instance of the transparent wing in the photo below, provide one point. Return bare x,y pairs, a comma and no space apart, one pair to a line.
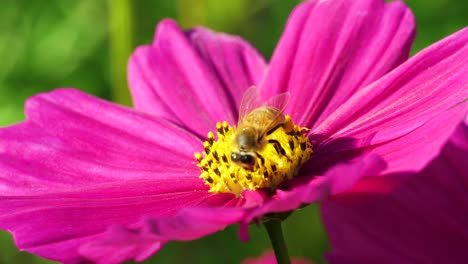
269,117
279,101
250,101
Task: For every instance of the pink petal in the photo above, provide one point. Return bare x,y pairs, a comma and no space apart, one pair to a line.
195,78
195,222
423,221
337,180
410,112
153,233
79,165
55,225
331,49
72,139
119,244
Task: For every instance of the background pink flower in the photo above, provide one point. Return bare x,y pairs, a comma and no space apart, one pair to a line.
422,221
269,258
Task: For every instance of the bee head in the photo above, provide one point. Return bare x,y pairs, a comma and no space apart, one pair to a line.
245,160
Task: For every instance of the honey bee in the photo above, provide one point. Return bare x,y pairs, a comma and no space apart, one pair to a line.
256,120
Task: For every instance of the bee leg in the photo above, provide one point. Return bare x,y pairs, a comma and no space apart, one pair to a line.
288,125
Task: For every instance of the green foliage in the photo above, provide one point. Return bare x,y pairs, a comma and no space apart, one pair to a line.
49,44
45,44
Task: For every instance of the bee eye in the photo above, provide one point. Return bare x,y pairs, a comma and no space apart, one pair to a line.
247,159
235,157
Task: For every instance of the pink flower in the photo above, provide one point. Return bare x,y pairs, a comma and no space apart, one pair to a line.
269,258
422,221
84,179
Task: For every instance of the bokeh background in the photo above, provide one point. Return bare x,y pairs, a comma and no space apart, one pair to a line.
46,44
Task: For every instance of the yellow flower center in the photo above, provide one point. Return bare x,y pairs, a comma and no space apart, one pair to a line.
284,150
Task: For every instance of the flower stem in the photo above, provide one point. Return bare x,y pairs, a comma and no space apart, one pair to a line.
275,233
121,46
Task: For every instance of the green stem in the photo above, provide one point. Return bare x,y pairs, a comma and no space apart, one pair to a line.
121,45
275,233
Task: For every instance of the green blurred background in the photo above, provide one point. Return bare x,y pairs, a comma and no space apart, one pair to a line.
45,44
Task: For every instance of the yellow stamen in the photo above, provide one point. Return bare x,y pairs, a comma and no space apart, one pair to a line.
287,148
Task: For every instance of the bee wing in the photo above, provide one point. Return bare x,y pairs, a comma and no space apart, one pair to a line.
279,101
265,120
250,101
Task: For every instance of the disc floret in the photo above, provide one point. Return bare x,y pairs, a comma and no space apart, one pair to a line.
285,150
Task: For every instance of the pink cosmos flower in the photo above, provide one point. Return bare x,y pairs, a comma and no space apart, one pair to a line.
422,221
83,179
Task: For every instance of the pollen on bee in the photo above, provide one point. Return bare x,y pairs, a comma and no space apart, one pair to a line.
288,124
287,148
